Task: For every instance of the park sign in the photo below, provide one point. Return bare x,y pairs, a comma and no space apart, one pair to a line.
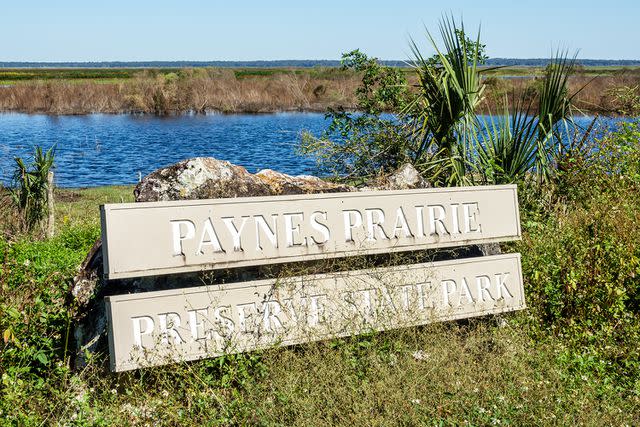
149,239
155,328
194,322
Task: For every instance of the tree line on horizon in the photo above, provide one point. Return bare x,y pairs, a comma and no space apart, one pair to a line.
302,63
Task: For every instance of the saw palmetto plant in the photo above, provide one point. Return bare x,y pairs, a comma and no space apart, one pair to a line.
29,190
455,146
448,95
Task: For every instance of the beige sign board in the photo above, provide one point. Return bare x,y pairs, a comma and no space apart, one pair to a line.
156,328
144,239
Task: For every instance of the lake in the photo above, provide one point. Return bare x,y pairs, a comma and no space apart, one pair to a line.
100,149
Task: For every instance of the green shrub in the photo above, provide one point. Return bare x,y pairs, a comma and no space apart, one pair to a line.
581,256
34,313
29,191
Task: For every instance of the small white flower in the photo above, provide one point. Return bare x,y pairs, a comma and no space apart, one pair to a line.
165,393
393,360
114,391
420,355
415,401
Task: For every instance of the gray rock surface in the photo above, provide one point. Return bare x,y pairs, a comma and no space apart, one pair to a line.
209,178
281,183
405,178
199,178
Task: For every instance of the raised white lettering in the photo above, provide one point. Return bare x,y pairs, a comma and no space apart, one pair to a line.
401,224
501,286
208,238
470,211
169,324
139,331
235,232
483,283
179,235
261,224
374,224
320,228
352,219
270,319
436,221
196,326
291,229
448,288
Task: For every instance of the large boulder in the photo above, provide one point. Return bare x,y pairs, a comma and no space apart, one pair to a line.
209,178
199,178
281,183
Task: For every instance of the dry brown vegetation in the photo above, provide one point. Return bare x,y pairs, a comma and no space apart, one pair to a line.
229,91
595,94
198,90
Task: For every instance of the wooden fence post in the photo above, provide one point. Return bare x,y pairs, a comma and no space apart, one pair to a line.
51,219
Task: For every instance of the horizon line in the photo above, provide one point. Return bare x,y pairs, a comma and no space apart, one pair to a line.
309,60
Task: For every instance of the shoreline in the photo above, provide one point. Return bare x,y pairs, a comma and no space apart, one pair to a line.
263,91
582,114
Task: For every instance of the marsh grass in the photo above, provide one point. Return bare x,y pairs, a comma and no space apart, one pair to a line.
173,91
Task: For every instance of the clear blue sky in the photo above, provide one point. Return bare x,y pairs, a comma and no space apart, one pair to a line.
138,30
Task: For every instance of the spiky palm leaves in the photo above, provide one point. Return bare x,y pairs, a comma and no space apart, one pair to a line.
30,185
448,96
454,147
532,138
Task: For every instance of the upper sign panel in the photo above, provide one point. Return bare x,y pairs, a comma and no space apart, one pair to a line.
143,239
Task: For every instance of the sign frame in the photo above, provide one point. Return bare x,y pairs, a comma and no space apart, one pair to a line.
113,269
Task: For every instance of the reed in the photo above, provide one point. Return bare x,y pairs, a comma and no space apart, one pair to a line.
198,90
204,90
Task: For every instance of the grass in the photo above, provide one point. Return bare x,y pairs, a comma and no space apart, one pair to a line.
506,370
474,374
114,74
77,207
251,90
571,358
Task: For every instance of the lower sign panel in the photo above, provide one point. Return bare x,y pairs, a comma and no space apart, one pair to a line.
156,328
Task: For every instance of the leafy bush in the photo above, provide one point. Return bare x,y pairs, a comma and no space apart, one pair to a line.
581,254
367,142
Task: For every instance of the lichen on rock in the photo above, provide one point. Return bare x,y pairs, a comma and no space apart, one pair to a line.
199,178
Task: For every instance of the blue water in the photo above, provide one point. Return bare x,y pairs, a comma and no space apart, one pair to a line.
102,149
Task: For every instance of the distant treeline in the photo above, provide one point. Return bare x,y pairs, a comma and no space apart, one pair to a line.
304,63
